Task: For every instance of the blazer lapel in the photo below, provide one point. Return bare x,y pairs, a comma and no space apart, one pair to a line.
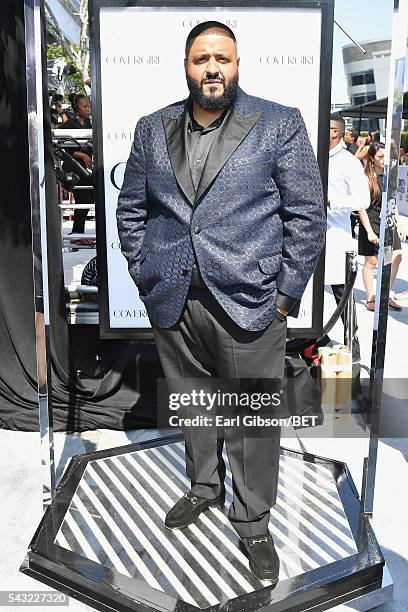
232,132
174,129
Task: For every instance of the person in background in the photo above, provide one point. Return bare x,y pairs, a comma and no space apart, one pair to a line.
350,140
81,106
347,190
363,145
377,135
58,115
401,156
359,150
368,238
81,119
69,110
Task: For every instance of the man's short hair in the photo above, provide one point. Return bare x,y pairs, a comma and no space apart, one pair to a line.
354,134
337,118
213,27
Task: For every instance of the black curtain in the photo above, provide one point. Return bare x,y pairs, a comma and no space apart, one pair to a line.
122,394
17,334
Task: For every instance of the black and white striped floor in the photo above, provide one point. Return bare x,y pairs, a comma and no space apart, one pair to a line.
116,518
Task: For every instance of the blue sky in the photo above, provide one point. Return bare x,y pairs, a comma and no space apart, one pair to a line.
364,20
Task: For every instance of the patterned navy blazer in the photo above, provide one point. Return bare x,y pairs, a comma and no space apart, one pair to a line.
257,222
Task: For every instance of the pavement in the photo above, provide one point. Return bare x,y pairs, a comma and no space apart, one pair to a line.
21,486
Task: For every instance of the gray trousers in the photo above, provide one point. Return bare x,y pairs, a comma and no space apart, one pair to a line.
206,343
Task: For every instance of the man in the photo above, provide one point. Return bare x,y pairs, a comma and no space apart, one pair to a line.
377,135
350,140
221,220
347,191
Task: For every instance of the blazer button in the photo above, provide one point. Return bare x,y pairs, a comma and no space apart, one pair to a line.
197,229
184,271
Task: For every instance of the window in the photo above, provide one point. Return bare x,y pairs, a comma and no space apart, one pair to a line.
363,98
364,78
359,100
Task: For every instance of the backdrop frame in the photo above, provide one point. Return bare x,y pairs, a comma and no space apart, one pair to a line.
325,74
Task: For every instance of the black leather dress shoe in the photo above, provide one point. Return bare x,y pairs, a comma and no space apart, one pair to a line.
263,558
188,509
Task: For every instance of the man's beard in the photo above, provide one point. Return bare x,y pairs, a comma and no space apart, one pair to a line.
212,102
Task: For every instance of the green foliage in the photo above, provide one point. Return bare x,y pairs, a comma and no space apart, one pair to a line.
55,51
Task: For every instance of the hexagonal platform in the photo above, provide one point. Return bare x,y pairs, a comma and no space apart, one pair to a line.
103,539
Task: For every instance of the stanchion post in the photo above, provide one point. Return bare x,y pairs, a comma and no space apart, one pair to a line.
351,266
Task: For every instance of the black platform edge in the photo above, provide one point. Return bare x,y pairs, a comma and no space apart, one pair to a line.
105,589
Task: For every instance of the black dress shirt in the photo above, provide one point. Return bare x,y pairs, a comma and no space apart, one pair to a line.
199,140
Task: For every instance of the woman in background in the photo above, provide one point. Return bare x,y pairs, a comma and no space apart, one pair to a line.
363,146
368,237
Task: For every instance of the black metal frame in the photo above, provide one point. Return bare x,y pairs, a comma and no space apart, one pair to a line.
327,11
107,589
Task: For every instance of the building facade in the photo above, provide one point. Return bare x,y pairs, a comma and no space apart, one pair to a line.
367,75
